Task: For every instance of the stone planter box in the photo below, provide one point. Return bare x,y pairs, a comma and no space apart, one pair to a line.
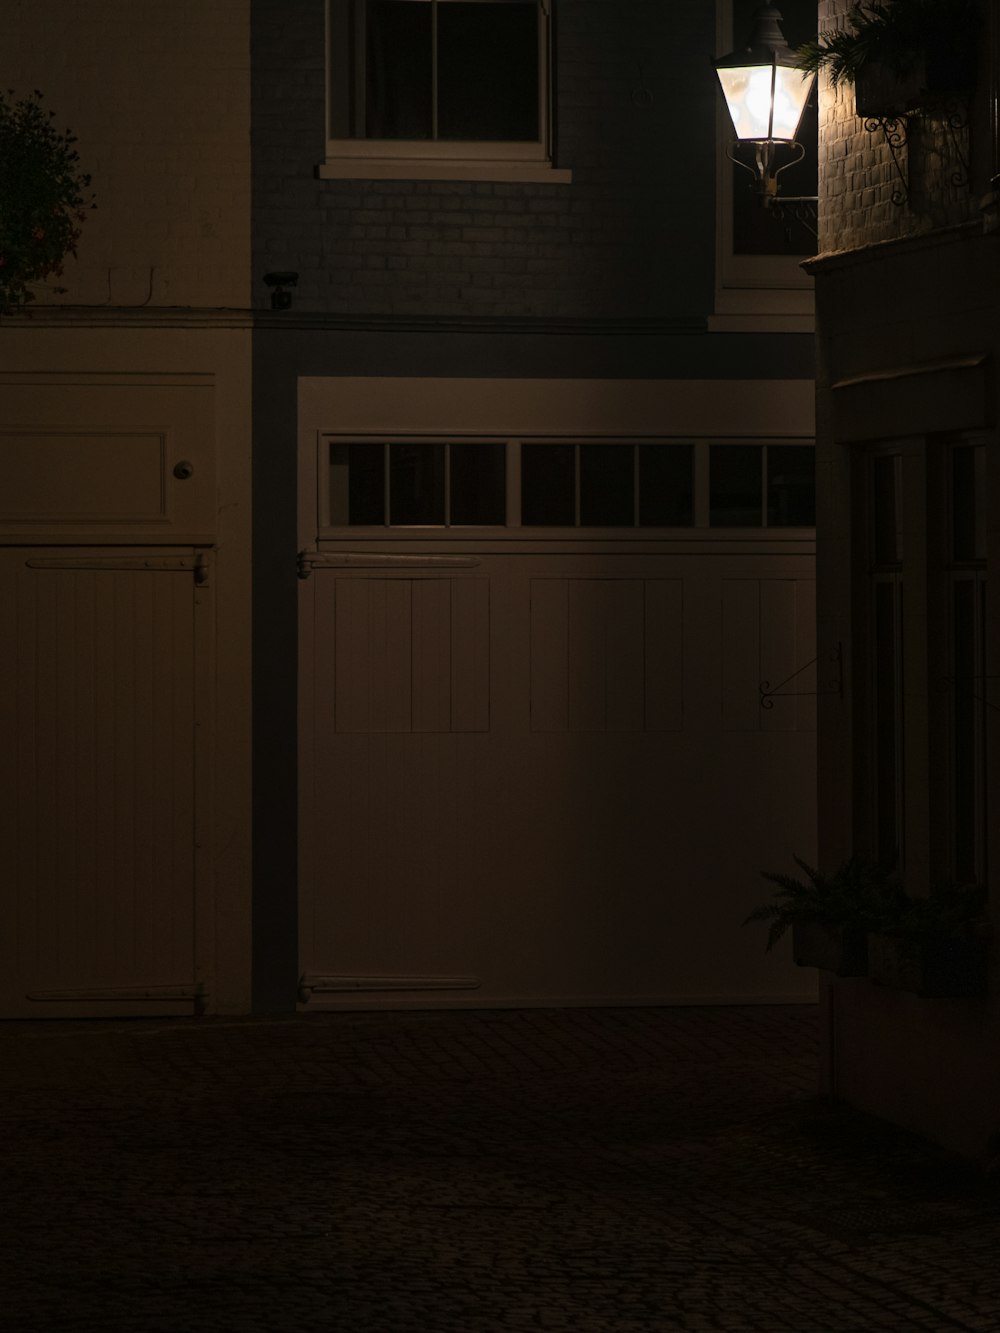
840,949
937,968
879,94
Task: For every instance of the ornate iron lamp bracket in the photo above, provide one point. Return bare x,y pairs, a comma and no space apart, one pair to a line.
894,134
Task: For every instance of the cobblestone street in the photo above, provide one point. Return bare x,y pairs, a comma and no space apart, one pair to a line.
600,1171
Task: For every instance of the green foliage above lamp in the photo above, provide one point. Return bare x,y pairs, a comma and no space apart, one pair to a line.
44,198
928,46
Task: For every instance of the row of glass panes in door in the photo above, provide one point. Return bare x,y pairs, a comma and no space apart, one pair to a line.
607,485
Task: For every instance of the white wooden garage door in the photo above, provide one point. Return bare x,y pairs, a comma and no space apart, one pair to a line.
536,768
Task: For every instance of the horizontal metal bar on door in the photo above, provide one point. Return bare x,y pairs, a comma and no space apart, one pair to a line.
340,985
381,560
195,993
152,564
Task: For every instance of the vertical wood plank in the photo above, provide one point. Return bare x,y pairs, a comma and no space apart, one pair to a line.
818,677
549,654
588,656
777,653
470,654
431,654
84,824
622,614
741,655
123,791
395,710
184,722
664,654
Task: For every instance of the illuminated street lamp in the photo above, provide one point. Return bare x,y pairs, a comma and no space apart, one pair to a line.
766,95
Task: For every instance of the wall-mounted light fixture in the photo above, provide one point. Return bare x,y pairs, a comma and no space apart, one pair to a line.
766,95
280,299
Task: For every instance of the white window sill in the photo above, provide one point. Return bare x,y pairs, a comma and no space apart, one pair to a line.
445,169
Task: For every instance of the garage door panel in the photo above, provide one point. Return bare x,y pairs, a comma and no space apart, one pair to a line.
409,655
572,852
606,654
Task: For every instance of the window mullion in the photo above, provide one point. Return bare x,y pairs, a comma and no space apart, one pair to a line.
513,459
434,70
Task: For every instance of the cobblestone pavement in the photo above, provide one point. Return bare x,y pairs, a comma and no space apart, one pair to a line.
599,1171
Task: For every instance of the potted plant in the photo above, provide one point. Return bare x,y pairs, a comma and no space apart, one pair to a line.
900,55
830,916
44,198
935,947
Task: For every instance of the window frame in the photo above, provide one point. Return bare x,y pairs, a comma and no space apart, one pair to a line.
430,159
513,529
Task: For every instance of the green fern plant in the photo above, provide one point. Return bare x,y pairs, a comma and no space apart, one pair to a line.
895,34
859,893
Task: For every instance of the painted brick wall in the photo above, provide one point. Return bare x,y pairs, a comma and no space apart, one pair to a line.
632,236
859,178
158,96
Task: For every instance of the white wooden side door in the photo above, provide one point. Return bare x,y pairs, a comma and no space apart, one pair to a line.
104,719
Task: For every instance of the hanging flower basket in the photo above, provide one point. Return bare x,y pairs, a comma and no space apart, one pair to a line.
44,198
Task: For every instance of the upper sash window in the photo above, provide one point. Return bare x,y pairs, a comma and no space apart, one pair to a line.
439,89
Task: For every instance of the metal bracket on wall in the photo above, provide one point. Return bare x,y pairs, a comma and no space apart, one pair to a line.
835,686
894,134
956,120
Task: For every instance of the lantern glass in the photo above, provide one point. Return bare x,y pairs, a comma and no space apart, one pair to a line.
747,89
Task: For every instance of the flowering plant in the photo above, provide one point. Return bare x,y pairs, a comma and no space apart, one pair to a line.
44,198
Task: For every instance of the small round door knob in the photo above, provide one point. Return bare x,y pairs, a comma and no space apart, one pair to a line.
183,470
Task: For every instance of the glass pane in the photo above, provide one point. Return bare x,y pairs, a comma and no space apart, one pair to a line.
885,481
607,485
964,759
478,484
488,70
357,484
968,495
666,485
888,769
735,486
791,485
416,484
398,70
548,484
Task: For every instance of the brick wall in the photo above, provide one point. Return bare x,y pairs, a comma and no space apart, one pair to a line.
632,236
158,96
859,178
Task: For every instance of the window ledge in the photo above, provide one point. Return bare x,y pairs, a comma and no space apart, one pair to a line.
454,169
